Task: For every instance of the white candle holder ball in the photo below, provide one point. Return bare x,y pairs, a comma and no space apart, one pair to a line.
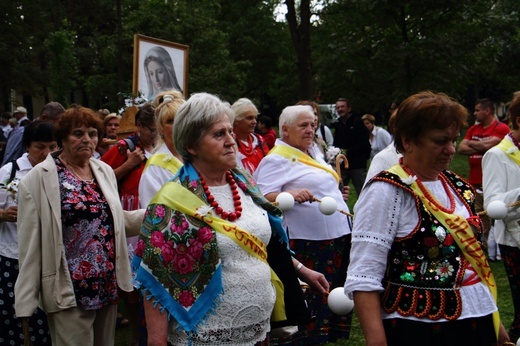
285,201
497,210
328,205
339,303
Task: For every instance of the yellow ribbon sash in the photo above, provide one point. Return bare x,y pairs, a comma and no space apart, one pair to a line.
173,193
464,237
298,156
510,149
166,161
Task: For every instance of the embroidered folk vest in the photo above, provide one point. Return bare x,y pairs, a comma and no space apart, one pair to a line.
425,269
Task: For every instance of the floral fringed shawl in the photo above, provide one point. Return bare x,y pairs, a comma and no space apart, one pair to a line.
177,261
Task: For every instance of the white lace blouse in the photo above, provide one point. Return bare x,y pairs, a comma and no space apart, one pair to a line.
242,317
384,212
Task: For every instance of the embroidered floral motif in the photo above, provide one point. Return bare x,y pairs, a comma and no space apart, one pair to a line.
444,270
512,150
428,259
204,210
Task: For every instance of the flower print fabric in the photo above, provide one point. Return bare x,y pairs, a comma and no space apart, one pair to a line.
88,238
175,251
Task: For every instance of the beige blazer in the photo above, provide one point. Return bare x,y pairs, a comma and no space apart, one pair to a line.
44,278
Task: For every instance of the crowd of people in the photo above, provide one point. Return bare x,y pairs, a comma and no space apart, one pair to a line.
180,220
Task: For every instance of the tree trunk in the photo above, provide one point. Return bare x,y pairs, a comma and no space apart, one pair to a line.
301,38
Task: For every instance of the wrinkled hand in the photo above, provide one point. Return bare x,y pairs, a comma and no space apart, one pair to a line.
11,213
301,196
315,280
135,157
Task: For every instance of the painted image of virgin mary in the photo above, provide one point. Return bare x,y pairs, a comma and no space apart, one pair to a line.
159,71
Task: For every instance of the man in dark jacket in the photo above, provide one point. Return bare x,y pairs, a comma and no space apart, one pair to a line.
351,134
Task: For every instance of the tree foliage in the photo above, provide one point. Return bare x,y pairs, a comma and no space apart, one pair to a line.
381,50
370,51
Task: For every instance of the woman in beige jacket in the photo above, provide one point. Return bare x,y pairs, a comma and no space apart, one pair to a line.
72,231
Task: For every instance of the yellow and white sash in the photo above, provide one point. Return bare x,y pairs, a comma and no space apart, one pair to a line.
510,149
297,155
166,161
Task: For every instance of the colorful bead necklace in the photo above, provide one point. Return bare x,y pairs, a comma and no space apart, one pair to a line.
230,216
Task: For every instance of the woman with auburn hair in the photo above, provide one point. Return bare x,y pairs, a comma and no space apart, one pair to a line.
72,237
417,272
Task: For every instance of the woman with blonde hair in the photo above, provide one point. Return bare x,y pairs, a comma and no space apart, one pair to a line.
251,147
165,160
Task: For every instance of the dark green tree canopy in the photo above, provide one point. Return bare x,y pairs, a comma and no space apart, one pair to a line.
370,51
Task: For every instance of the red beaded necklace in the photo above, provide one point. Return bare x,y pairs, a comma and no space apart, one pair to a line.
246,149
427,194
231,216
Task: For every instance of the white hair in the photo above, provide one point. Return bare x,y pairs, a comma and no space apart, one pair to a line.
290,114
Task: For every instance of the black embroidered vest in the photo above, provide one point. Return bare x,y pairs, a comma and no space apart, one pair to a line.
425,269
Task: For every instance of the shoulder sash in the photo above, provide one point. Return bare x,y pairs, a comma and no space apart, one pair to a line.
298,156
166,161
510,149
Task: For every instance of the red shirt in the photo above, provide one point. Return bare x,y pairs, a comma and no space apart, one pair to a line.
478,133
270,138
129,184
252,153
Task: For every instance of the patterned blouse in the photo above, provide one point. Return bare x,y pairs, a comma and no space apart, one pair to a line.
88,238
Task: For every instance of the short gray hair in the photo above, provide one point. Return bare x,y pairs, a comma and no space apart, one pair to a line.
290,114
194,118
241,106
